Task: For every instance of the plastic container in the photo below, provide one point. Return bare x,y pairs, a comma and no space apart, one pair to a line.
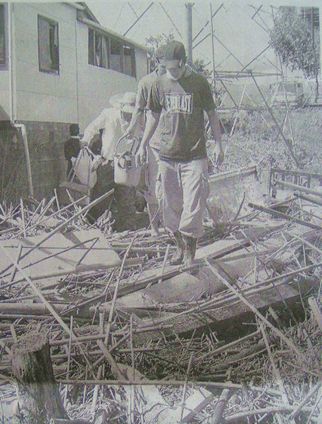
126,170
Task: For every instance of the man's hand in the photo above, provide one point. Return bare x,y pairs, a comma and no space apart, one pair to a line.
140,157
129,133
97,163
84,143
219,154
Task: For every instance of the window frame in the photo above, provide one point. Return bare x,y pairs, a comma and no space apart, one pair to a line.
110,39
96,33
118,41
133,60
56,24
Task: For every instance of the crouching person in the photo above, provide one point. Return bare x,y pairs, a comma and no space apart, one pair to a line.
112,123
182,96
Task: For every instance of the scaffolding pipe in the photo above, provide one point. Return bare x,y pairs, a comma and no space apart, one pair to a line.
287,143
189,7
137,19
207,23
170,19
212,49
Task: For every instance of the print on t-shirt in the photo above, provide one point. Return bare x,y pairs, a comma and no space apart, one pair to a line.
179,103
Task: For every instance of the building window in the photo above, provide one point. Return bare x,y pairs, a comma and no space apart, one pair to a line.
2,35
129,67
311,16
116,55
48,45
98,46
110,53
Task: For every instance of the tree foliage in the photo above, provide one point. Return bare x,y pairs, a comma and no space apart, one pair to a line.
201,67
293,43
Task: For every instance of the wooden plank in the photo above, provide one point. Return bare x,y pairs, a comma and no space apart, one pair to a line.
219,314
61,253
221,248
250,305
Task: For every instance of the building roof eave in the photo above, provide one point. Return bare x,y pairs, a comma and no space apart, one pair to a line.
82,7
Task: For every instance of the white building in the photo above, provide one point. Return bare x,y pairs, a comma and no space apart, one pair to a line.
58,66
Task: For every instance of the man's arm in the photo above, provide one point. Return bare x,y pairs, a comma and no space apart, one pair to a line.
137,120
109,137
108,143
151,125
216,133
214,125
209,107
153,116
94,127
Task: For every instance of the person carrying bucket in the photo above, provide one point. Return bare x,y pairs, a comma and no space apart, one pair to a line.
112,123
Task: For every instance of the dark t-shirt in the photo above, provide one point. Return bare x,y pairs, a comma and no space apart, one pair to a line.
144,90
182,104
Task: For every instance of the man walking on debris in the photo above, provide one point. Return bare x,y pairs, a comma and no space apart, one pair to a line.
112,123
152,192
182,96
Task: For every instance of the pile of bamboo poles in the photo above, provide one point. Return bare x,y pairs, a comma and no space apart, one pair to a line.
108,357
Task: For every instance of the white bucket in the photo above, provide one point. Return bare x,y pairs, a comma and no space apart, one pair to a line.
126,170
